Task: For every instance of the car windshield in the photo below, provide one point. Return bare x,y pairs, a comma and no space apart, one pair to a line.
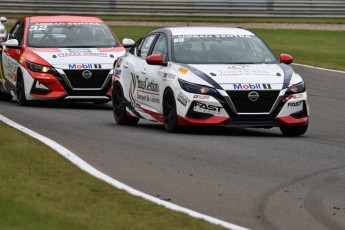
221,49
60,35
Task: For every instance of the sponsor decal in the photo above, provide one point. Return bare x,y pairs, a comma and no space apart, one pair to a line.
44,25
84,66
295,104
145,85
168,76
182,99
239,70
10,64
118,63
297,96
180,38
148,97
183,70
117,72
81,52
251,86
21,60
202,97
205,108
146,90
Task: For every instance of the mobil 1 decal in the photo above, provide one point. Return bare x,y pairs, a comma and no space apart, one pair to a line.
251,86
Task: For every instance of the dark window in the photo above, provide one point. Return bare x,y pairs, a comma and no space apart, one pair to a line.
161,46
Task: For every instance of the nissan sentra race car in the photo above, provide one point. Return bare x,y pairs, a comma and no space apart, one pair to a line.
208,76
58,58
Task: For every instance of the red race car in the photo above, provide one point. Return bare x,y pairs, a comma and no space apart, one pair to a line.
58,58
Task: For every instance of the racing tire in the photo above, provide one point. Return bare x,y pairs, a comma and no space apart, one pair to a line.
20,91
119,107
293,131
5,96
169,112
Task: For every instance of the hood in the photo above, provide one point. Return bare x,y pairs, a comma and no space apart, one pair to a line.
241,77
80,58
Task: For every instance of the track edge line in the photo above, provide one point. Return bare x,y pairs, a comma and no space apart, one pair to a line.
83,165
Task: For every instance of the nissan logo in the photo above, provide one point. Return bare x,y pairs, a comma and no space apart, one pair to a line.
86,74
253,96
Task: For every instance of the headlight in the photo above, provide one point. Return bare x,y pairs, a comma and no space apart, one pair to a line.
198,89
2,31
39,68
298,88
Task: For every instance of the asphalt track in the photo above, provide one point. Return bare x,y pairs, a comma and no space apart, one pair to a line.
254,178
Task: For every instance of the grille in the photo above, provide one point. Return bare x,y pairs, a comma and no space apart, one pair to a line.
95,81
263,105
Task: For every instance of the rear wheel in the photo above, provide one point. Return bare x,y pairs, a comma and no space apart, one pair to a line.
294,130
119,107
20,90
169,112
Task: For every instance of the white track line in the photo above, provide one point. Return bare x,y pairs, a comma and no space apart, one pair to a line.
319,68
98,174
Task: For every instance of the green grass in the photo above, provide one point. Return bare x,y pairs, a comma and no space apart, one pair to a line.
39,189
317,48
310,47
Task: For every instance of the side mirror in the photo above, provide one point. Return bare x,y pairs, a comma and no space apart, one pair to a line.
12,43
127,43
3,19
155,59
286,58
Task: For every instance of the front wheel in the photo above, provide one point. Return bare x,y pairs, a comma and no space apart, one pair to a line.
119,107
169,112
294,130
21,98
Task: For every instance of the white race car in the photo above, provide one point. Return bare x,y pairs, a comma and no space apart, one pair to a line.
2,28
58,58
208,76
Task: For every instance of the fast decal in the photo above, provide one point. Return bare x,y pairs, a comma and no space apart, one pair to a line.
288,71
251,86
205,108
182,99
84,66
295,104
